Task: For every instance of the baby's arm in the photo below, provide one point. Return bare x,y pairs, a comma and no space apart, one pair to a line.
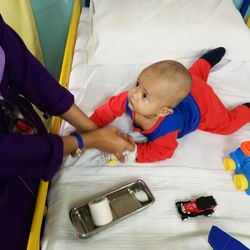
159,149
111,109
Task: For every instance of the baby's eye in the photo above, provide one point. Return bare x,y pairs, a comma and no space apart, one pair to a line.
137,84
144,96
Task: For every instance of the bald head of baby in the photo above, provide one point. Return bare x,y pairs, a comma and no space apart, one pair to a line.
170,81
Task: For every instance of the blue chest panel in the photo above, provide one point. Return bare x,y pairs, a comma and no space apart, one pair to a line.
185,119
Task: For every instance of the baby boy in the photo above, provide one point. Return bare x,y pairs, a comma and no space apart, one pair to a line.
169,101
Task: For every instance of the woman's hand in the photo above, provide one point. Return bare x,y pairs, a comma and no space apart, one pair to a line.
107,139
119,155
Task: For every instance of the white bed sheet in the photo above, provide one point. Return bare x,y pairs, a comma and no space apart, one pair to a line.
195,170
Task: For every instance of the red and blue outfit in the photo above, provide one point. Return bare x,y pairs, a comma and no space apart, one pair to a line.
200,109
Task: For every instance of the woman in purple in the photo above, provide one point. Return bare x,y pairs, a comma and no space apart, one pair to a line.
27,152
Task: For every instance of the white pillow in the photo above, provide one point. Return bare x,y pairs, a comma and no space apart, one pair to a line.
145,31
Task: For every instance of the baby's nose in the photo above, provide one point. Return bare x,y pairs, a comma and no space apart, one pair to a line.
136,95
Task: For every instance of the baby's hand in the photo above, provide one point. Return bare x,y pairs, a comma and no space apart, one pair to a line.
124,157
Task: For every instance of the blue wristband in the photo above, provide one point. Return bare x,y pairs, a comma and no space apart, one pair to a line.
79,141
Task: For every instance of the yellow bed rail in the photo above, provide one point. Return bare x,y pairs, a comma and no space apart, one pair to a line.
68,57
40,208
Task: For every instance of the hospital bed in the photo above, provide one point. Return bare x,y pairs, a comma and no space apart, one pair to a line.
195,170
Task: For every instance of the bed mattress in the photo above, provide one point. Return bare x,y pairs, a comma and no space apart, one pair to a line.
195,170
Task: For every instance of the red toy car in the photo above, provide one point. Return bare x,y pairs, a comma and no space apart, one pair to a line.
201,206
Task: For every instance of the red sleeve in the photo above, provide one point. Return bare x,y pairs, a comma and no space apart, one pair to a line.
200,68
111,109
160,149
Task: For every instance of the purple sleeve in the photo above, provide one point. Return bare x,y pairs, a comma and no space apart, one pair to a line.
29,77
40,157
36,155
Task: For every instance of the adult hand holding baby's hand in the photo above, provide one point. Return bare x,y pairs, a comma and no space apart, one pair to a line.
120,155
109,140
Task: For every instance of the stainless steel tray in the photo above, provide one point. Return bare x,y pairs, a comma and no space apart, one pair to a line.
124,201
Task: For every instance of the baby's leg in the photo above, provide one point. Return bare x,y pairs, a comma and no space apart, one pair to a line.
237,118
202,66
214,56
221,120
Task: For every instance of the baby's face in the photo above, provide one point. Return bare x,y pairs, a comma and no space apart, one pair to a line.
145,96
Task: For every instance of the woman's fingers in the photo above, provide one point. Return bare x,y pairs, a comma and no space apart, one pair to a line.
120,157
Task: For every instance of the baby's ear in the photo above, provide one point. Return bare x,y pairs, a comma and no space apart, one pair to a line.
165,111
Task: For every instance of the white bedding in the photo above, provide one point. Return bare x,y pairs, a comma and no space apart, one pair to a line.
195,170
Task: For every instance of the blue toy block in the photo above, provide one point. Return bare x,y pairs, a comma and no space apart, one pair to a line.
219,240
239,158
